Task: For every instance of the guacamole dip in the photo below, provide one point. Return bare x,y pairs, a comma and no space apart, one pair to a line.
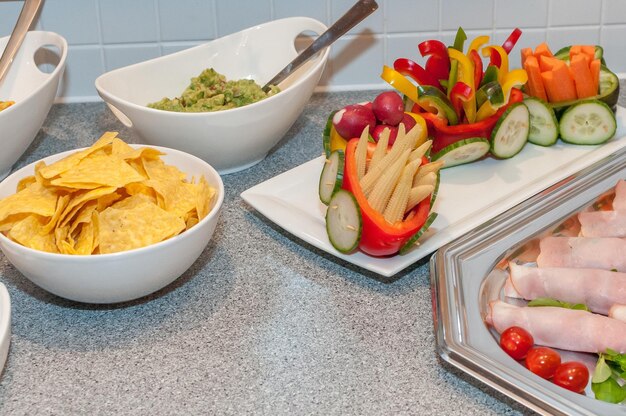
210,91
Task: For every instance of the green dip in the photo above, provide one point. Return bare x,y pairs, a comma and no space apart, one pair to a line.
210,91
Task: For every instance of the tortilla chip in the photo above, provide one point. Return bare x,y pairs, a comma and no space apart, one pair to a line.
34,199
95,171
28,233
135,223
74,159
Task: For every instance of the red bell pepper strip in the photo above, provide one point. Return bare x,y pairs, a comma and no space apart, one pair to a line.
444,135
439,63
510,42
411,69
478,67
461,92
378,237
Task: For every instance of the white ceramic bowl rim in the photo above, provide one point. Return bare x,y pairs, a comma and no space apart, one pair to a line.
51,76
5,313
321,60
86,258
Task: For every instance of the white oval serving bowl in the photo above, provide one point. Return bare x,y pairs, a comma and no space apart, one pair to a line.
123,276
230,140
5,325
33,92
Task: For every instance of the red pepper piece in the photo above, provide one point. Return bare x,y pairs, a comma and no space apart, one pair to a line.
495,59
510,42
444,135
411,69
439,63
378,237
461,92
478,67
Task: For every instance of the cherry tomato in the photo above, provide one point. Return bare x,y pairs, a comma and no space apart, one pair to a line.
516,342
572,375
543,361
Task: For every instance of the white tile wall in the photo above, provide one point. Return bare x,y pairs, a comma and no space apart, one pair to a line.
107,34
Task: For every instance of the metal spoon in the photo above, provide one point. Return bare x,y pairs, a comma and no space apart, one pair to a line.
27,15
356,14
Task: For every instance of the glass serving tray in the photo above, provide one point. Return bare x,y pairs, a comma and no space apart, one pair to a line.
469,272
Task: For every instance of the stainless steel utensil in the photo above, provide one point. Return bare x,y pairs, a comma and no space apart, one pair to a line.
351,18
27,15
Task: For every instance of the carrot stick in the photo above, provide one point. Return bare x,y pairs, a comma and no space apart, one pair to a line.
559,84
535,82
574,50
589,51
542,50
548,63
579,70
526,52
594,68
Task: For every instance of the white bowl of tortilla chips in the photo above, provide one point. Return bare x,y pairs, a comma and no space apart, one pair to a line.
109,223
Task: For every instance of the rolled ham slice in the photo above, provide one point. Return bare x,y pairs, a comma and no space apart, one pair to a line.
618,312
597,253
598,289
603,223
567,329
619,202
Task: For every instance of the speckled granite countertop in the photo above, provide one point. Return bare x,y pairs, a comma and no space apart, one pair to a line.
262,323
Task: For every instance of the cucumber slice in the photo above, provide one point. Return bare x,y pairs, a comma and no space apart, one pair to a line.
343,221
544,128
511,131
433,100
413,240
463,151
433,196
587,122
331,177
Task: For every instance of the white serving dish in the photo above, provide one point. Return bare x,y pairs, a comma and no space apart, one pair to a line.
468,196
229,140
32,90
123,276
5,325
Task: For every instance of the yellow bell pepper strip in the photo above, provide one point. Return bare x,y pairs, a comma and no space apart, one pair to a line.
510,42
502,60
419,121
466,75
399,82
416,72
438,63
477,43
514,78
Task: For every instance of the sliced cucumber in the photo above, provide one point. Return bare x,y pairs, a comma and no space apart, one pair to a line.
433,100
331,177
511,131
463,151
544,127
587,122
433,196
413,240
343,221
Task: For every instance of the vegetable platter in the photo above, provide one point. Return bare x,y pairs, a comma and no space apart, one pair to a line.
468,196
470,275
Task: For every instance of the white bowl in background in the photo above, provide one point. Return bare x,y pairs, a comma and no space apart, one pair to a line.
5,325
230,140
33,91
122,276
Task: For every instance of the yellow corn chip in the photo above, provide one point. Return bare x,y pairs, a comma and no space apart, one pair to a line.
34,199
25,182
84,241
27,233
95,171
81,198
74,159
138,223
62,202
204,198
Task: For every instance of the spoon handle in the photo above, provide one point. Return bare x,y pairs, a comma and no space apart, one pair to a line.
27,15
351,18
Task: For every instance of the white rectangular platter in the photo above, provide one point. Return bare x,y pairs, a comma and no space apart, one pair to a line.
468,196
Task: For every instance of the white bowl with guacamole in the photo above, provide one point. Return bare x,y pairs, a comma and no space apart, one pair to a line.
230,137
